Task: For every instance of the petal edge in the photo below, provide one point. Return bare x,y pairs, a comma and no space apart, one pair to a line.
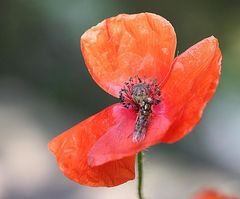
191,84
71,148
127,45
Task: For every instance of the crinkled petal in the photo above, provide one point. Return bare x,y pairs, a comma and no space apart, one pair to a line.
128,45
191,84
71,149
118,143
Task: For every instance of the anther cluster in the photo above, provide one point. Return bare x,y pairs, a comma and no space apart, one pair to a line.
140,95
137,91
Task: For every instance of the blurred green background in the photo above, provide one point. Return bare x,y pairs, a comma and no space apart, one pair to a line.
45,88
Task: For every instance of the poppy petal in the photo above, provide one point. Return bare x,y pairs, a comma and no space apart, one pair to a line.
212,194
191,84
118,142
71,149
128,45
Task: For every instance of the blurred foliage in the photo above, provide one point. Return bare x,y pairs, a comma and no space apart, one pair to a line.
40,41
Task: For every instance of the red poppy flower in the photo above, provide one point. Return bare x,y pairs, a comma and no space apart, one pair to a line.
211,194
162,98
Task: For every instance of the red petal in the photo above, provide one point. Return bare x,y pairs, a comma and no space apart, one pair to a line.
190,86
212,194
118,142
127,45
71,149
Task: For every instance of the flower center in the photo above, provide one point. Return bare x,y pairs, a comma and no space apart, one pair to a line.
140,95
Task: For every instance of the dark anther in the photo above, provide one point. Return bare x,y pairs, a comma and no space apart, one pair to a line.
140,95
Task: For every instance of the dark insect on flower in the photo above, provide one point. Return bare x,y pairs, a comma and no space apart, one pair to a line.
140,95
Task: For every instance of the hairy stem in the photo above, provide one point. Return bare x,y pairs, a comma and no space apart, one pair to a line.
140,174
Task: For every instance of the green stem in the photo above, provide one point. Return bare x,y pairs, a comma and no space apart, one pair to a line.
140,174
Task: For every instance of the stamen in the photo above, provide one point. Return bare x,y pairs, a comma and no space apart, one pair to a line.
140,95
